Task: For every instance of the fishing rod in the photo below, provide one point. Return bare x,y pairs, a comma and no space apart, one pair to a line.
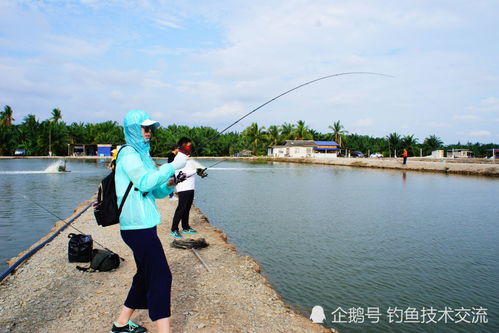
60,219
280,95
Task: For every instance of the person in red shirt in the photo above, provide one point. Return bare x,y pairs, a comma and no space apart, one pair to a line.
405,156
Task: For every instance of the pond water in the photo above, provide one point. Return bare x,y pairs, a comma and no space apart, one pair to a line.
376,248
23,181
349,239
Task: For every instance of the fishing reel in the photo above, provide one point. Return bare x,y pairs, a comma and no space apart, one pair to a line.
180,177
201,172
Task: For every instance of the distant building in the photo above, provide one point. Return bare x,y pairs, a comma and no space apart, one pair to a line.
459,153
437,154
244,153
305,148
495,153
104,150
81,149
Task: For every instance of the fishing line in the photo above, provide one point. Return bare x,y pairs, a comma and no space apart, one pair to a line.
280,95
61,219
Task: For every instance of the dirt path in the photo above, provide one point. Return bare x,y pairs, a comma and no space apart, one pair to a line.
48,294
472,167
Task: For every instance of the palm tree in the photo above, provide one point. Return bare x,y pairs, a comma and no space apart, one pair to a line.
301,131
56,116
409,141
338,132
6,118
432,143
287,130
255,134
274,135
394,140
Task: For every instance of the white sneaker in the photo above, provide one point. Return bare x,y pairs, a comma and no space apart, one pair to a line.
174,198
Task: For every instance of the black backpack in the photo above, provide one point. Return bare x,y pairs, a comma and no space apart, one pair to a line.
102,261
106,208
80,248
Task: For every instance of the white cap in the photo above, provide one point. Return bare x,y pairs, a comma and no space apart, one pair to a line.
150,122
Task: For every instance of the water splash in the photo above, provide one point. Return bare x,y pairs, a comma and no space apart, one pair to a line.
56,167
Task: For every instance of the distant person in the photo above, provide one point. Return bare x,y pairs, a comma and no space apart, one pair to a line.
112,164
185,191
405,156
171,156
151,285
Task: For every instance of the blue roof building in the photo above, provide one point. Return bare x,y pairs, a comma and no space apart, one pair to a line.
305,148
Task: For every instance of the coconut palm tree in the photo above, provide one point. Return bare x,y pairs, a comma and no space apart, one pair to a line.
301,131
6,118
255,135
338,132
56,116
409,142
394,141
274,135
287,131
432,143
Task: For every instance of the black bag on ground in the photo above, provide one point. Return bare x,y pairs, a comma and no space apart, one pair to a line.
102,261
106,209
80,248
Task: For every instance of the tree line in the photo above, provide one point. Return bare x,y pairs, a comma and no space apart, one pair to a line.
38,138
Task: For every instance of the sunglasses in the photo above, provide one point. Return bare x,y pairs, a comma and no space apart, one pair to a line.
147,129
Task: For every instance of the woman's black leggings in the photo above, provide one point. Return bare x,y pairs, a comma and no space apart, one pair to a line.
151,286
185,199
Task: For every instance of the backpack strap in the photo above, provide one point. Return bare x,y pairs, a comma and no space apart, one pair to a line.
129,185
124,198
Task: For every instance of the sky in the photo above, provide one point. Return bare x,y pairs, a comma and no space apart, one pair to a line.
207,63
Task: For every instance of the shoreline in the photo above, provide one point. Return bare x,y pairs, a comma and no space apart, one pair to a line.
233,297
469,167
451,166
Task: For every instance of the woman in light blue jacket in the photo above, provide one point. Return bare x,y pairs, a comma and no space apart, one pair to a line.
151,286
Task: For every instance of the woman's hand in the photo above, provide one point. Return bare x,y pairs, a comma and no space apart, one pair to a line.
171,182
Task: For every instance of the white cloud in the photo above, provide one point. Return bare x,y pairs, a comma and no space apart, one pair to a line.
366,122
487,105
480,133
68,54
229,111
465,117
62,46
167,24
439,124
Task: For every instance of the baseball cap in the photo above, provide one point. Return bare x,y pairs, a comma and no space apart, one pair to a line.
150,122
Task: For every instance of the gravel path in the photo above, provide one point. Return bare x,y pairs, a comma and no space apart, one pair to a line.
48,294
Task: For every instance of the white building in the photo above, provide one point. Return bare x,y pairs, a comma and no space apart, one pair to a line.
459,153
305,148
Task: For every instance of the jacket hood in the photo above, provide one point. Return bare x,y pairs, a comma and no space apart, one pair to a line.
133,134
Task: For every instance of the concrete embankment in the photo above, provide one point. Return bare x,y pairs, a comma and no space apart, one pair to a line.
449,166
48,294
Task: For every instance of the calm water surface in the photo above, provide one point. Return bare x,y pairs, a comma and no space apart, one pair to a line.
22,223
358,238
329,236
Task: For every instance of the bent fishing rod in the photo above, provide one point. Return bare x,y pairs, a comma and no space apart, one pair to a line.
280,95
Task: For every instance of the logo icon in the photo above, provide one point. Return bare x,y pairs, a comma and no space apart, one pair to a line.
317,316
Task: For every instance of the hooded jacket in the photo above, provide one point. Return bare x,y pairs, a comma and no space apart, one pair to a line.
149,183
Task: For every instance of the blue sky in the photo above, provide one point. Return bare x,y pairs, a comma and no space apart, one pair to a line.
209,62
